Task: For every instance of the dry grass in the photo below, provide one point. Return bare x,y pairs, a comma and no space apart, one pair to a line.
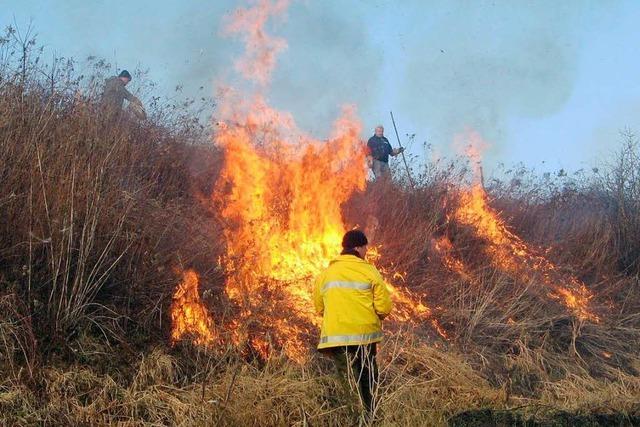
420,385
96,215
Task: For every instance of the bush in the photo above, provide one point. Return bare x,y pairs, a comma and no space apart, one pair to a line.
95,211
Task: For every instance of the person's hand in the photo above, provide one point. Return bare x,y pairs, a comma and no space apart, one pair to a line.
369,162
400,150
137,109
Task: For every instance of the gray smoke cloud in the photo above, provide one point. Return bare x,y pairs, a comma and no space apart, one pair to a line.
481,62
441,65
330,61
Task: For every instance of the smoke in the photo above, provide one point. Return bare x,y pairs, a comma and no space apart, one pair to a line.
470,144
481,63
330,62
304,64
442,66
260,48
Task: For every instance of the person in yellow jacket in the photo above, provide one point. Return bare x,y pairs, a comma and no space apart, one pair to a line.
353,299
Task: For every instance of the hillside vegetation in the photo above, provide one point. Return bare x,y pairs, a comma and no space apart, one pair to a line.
98,218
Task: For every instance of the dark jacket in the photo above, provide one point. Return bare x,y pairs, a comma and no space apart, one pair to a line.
380,148
114,94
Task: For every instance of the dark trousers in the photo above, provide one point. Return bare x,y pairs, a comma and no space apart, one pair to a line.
358,362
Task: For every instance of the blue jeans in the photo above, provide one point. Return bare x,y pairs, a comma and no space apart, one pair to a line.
380,169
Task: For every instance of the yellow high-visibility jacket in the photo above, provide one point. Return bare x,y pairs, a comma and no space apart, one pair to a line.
352,297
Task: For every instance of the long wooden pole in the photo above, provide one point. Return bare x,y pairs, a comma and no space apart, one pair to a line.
404,159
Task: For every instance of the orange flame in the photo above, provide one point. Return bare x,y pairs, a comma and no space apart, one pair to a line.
508,251
408,307
473,146
189,316
284,197
283,210
513,255
261,49
444,247
280,194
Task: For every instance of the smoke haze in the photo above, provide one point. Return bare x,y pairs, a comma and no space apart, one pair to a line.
525,76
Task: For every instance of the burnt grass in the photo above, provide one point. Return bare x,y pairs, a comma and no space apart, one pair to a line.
97,217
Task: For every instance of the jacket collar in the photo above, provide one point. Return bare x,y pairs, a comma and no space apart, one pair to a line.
347,258
350,252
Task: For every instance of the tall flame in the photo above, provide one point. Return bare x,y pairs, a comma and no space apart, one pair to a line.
506,250
280,195
511,254
281,201
283,198
188,315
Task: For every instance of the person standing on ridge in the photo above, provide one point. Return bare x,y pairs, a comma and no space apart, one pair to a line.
115,93
379,151
353,299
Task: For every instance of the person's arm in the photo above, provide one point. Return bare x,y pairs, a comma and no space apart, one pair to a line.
381,299
396,151
138,108
129,96
318,301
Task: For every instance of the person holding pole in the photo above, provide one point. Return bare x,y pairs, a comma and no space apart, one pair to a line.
379,151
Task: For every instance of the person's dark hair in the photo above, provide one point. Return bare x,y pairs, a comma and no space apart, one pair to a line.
353,239
125,73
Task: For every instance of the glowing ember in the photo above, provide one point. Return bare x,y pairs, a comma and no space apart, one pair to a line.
189,316
406,307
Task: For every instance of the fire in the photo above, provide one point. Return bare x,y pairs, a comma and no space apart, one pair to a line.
279,195
507,251
261,49
512,255
188,315
282,202
284,199
407,308
444,247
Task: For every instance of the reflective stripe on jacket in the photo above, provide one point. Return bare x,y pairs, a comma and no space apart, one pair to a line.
351,295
